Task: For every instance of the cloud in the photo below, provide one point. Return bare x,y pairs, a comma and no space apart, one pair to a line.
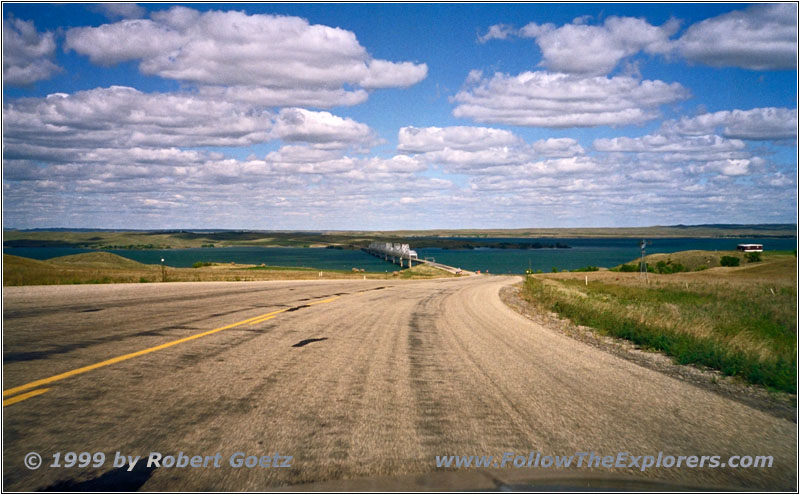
178,184
756,124
706,155
277,97
484,150
270,56
731,168
416,140
385,74
596,50
299,154
322,128
658,143
497,32
254,85
580,48
558,147
761,37
545,99
119,10
778,180
27,54
476,161
123,117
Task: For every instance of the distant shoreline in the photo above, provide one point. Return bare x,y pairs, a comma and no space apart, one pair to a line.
445,238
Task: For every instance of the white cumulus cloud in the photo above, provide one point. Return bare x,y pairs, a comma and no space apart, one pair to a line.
120,116
125,126
558,147
545,99
415,140
274,57
498,32
586,49
761,37
323,128
756,124
659,143
27,54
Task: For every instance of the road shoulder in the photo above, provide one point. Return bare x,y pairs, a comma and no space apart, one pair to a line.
777,404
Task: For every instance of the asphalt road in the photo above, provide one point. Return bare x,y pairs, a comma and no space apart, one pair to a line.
350,378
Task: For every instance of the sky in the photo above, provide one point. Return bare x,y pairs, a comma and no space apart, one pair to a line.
398,116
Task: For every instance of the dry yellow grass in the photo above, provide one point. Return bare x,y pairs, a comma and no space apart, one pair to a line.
741,320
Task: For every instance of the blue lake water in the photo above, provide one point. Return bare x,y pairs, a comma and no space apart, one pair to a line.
597,252
327,259
583,252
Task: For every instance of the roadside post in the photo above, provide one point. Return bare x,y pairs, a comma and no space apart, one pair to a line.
163,271
643,263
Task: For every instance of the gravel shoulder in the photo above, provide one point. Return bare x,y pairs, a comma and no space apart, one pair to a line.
777,404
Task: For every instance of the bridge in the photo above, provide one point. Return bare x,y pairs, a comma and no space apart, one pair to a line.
403,255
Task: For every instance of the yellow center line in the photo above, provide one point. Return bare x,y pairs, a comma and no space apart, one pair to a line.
323,301
262,320
20,398
124,357
268,316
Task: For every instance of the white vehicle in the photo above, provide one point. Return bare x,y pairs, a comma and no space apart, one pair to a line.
750,248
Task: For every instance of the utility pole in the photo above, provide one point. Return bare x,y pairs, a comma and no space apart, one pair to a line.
643,263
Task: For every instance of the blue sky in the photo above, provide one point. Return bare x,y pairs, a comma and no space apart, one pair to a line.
398,116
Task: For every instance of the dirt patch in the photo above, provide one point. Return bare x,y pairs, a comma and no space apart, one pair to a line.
780,405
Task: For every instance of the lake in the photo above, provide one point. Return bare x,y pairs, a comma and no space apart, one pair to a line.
598,252
605,253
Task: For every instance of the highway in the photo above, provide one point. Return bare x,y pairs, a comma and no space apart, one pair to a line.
352,379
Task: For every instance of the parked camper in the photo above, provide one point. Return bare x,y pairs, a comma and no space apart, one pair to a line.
750,248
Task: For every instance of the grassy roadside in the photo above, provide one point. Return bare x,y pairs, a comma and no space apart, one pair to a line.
107,268
740,321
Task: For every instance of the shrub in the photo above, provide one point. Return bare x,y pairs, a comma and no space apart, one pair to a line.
589,268
628,268
199,264
729,261
753,257
667,267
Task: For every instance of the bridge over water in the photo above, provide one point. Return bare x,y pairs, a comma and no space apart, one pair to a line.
403,255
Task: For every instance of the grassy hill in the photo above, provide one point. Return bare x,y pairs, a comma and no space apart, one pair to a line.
740,320
106,268
697,260
99,259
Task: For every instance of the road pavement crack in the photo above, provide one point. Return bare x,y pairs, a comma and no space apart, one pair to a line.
308,341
